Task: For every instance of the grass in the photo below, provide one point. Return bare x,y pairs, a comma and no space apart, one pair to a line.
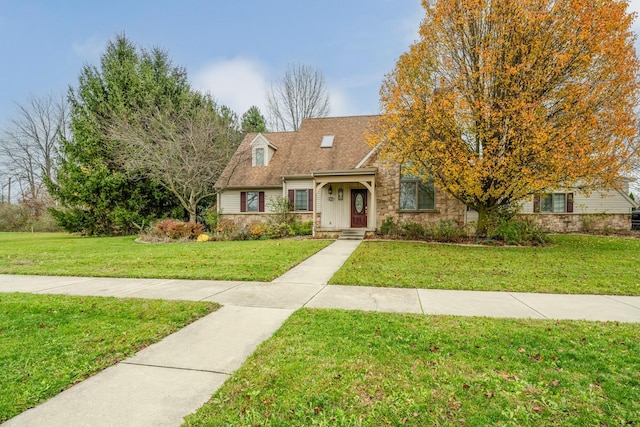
333,368
574,264
64,254
48,343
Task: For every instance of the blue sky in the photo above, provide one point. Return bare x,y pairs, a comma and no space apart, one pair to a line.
233,49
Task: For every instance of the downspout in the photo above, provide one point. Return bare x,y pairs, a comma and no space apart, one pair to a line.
315,203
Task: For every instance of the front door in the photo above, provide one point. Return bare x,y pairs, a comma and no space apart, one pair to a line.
359,208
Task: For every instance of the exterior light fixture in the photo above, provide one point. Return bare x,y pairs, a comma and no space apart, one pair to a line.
330,190
340,193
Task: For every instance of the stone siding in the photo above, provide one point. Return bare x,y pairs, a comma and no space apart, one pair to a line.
388,200
244,219
580,223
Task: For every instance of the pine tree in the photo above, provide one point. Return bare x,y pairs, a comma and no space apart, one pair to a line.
253,121
96,194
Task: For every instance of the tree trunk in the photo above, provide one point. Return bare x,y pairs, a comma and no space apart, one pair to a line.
481,227
192,214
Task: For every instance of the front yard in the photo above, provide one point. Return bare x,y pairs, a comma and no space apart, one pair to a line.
340,368
574,264
62,254
50,342
332,367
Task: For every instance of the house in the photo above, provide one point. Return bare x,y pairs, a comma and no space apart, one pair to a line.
333,177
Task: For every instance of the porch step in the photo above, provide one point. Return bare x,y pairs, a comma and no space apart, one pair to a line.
352,234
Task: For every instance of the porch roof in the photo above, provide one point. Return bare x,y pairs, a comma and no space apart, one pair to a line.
345,172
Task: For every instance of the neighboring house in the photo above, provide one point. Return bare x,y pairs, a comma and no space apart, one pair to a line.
332,176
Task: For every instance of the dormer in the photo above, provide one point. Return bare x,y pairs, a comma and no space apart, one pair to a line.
262,151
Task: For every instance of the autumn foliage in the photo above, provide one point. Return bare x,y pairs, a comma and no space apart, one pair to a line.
501,99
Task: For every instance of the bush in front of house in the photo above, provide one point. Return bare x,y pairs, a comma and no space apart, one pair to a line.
174,229
517,232
501,231
302,228
389,227
279,230
257,230
441,231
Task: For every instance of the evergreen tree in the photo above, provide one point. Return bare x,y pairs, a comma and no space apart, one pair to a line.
96,194
253,121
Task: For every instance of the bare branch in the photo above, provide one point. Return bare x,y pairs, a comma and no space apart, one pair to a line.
184,149
29,144
299,95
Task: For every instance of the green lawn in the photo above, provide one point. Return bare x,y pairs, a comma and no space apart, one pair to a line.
573,264
48,343
64,254
338,368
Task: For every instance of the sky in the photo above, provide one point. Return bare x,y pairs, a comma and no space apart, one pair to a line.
232,49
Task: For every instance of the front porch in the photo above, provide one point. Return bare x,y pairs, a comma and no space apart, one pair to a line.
344,200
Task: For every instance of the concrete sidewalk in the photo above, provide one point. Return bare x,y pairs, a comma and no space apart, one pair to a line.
174,377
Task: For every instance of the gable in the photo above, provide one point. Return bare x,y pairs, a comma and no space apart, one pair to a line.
262,151
299,153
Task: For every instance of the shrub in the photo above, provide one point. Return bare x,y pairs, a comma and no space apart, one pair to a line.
302,228
177,230
276,231
211,217
281,208
448,231
515,232
21,218
192,229
389,227
413,230
257,230
203,237
226,228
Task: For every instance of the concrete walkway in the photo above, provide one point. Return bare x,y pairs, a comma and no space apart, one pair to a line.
173,378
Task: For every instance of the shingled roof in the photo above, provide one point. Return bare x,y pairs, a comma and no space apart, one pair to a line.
299,153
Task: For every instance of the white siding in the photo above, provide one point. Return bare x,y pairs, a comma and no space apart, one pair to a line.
298,184
261,142
230,200
337,213
607,201
270,194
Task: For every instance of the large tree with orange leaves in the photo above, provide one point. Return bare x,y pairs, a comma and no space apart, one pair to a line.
501,99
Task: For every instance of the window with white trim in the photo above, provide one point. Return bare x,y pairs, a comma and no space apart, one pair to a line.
259,156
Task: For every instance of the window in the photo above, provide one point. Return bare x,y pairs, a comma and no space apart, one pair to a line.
252,201
301,200
259,156
327,141
415,194
553,203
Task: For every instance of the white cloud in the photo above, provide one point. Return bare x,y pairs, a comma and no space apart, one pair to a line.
237,83
340,104
240,83
90,49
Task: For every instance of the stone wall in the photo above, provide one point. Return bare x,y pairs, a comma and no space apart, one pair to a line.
580,223
388,200
246,219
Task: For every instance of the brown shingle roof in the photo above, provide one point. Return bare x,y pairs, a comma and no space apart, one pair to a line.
299,153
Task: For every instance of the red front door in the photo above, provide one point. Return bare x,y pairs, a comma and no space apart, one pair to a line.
359,208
